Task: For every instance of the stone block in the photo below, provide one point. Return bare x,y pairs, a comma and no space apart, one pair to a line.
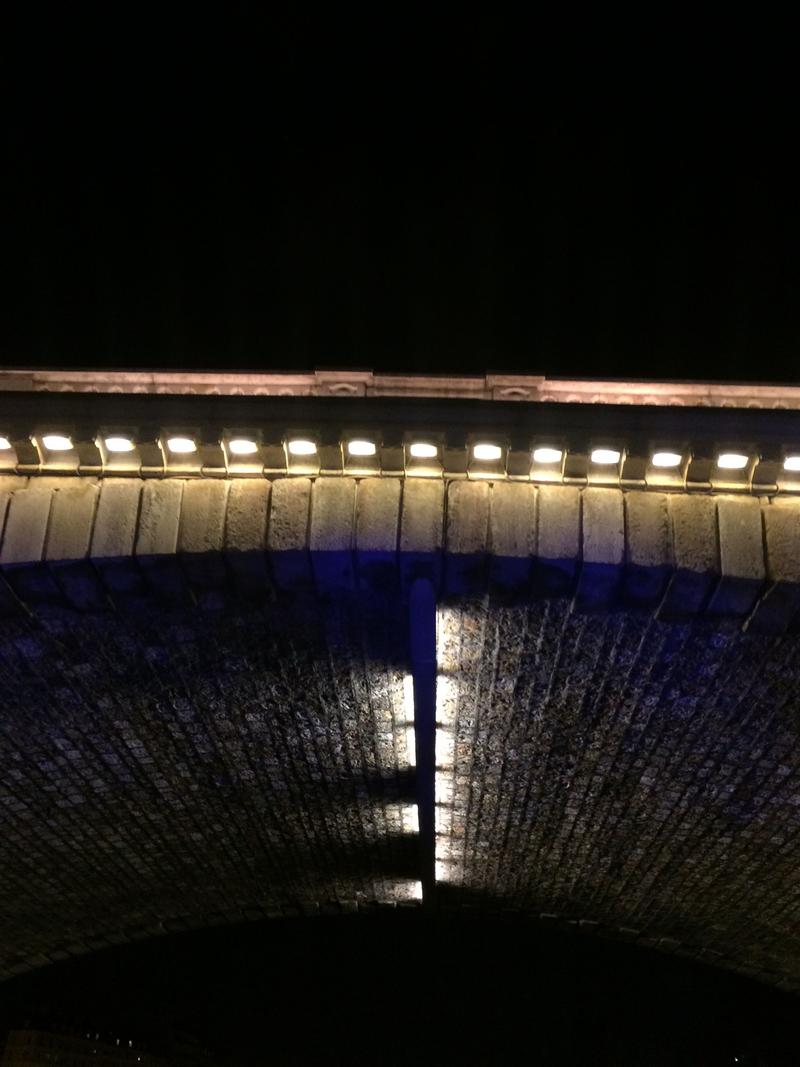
160,517
26,526
781,602
248,509
202,522
422,516
603,525
69,531
741,550
512,539
558,541
114,537
695,553
467,537
201,537
377,528
114,532
287,532
69,536
421,530
157,540
246,536
648,549
332,533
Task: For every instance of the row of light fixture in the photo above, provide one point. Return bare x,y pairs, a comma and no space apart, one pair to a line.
484,451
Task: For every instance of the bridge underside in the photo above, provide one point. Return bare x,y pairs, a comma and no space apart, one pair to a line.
215,732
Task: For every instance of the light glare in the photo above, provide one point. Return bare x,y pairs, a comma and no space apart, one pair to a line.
408,697
666,459
422,450
242,446
361,448
55,442
486,451
732,461
409,816
605,456
411,746
791,463
302,447
181,445
4,443
547,455
119,444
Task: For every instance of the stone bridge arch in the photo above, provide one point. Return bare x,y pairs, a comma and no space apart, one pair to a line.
206,708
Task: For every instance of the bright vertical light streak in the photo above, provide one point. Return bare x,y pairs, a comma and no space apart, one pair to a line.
409,815
445,747
450,661
408,720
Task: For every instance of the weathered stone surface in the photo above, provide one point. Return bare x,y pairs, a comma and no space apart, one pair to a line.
246,537
467,517
512,538
332,515
422,515
332,534
202,525
288,516
741,551
26,526
223,762
603,548
695,548
558,545
248,508
378,514
159,518
377,532
467,536
627,773
492,529
513,520
780,604
157,540
648,548
287,532
71,518
421,530
614,770
115,522
69,535
201,536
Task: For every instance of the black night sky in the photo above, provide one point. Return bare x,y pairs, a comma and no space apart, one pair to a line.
397,195
409,194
